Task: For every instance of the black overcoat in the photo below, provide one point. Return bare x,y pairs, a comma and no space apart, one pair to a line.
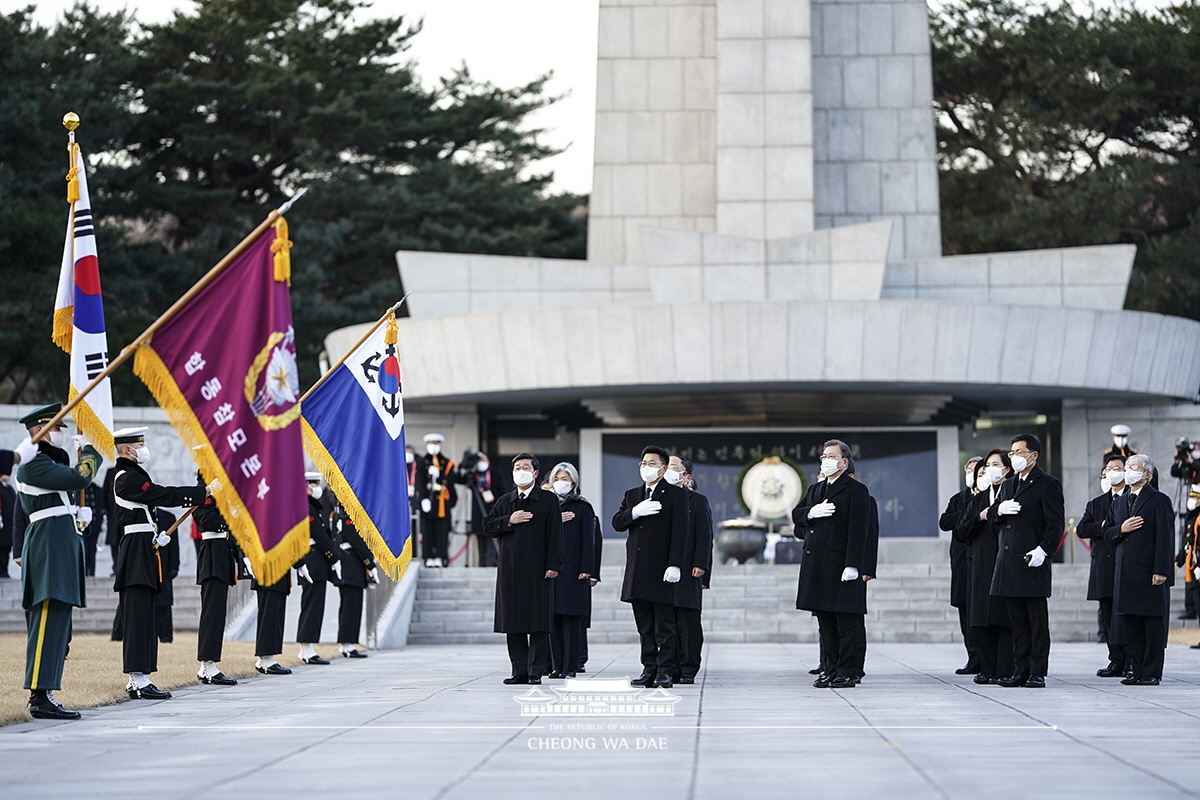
137,562
654,542
1040,523
1103,563
689,592
322,552
831,544
524,595
356,557
1143,553
215,558
958,550
578,550
979,536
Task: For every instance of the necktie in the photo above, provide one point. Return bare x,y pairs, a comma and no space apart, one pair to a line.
649,492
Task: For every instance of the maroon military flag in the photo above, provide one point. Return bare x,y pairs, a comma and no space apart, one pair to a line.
223,366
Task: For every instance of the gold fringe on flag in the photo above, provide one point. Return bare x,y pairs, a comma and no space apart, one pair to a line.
64,322
268,567
393,564
280,247
73,174
91,426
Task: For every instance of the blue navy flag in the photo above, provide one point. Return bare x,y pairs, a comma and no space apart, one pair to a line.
353,423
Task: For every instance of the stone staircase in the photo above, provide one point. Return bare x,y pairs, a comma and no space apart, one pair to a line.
752,603
102,605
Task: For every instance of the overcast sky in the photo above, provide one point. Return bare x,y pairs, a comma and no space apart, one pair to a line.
507,42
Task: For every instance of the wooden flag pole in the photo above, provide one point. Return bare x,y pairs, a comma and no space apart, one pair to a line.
181,520
386,315
132,347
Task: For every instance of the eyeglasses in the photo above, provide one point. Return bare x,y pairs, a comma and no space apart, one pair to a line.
1012,453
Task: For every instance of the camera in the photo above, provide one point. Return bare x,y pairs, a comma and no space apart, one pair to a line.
1183,447
469,459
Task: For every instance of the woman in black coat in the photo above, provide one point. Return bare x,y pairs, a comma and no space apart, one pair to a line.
988,615
572,587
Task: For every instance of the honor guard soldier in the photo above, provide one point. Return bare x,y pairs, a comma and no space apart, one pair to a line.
313,573
216,571
435,488
139,568
52,560
268,634
355,571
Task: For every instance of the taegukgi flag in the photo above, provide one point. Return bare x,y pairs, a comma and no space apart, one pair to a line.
354,432
223,366
79,312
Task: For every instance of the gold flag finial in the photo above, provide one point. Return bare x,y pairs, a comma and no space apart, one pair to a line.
70,121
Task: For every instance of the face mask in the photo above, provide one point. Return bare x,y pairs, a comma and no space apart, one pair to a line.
1192,502
522,477
562,487
829,466
409,457
1196,455
315,491
649,474
433,449
143,455
1132,476
1115,477
1019,463
673,477
57,438
982,483
971,478
481,466
993,473
1104,484
1120,441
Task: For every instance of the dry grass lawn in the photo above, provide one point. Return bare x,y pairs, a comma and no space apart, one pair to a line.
93,676
1188,636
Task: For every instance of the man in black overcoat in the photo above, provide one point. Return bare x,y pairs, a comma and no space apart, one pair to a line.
655,514
1030,520
217,565
834,518
313,574
1103,563
139,568
1143,533
527,525
697,564
958,567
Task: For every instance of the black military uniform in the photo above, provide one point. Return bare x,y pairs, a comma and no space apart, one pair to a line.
436,491
139,569
163,618
217,564
268,633
314,578
357,568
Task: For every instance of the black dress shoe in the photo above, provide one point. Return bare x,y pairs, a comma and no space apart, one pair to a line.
580,670
42,705
1013,680
535,680
1130,681
687,680
568,674
1194,646
1035,682
815,671
982,678
556,675
842,682
969,669
1148,682
517,679
995,681
217,680
663,681
355,653
315,660
147,692
1111,671
274,669
823,680
645,679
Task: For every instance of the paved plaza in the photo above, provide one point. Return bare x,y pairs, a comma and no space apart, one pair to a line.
436,722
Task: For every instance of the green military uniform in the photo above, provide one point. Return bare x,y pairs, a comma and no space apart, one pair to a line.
52,560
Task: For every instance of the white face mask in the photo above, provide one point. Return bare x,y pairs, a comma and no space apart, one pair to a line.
522,477
971,478
1115,477
433,448
57,438
562,487
1120,441
1192,503
1105,486
1132,476
1019,463
481,466
993,473
649,474
829,466
672,476
314,491
409,457
983,484
143,455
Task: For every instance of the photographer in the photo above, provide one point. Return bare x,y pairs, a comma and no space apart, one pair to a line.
1186,468
475,472
1187,461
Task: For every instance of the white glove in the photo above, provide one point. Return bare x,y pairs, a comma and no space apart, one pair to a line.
83,517
426,506
412,490
26,450
161,539
434,472
850,574
249,566
303,574
1196,573
1009,507
822,509
647,508
213,487
1036,556
671,575
336,569
373,576
78,442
